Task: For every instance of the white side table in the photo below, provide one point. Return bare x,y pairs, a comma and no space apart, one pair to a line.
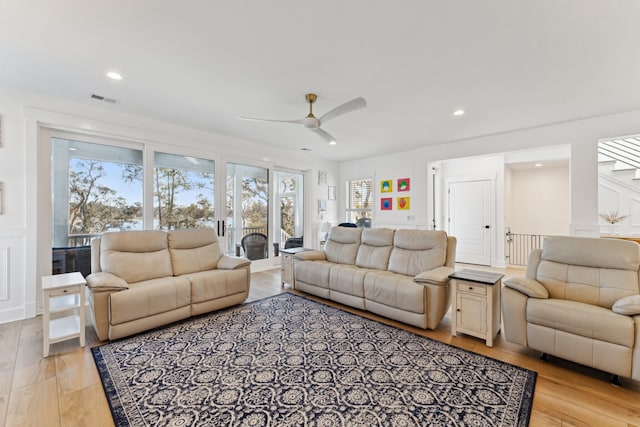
286,264
63,293
476,304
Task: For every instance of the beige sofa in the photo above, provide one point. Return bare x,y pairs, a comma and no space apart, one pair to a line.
402,275
144,279
580,301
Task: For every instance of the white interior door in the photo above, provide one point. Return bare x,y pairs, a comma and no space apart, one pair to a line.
470,220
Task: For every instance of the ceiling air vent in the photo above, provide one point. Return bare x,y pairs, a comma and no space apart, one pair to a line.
103,98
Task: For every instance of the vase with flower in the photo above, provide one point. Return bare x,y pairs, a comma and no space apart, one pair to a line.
613,218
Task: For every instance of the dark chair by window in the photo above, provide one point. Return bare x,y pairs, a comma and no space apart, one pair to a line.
294,242
347,224
254,246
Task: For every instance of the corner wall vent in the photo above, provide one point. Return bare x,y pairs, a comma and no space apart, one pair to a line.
103,98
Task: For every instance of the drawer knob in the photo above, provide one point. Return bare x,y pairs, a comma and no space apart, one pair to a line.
470,288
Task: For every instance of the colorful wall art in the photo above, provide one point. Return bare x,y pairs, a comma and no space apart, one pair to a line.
386,186
404,184
404,203
386,203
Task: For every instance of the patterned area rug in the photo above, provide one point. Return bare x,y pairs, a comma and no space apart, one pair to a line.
290,361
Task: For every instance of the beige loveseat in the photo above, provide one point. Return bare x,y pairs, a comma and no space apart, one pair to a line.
144,279
399,274
580,301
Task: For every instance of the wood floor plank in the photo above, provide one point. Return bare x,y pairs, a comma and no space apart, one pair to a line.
75,371
85,407
34,405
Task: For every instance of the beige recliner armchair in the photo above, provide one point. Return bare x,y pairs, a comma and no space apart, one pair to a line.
579,301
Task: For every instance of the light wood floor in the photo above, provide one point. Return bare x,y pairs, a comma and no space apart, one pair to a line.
65,390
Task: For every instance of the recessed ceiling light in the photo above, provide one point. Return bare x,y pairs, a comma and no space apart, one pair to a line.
538,165
114,76
332,143
458,112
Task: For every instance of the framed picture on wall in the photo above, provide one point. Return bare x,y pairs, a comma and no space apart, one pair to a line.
322,177
322,206
332,192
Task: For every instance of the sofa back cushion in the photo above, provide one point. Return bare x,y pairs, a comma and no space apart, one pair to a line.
589,270
342,245
415,251
193,250
375,248
135,255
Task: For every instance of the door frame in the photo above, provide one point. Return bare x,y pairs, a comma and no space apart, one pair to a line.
492,203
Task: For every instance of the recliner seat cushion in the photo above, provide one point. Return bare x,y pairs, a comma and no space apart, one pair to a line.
193,250
148,298
136,256
585,320
394,290
348,279
315,273
214,284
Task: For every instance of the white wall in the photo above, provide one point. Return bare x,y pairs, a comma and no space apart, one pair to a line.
25,225
539,202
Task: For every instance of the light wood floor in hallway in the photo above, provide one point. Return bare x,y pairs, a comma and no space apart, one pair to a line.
65,390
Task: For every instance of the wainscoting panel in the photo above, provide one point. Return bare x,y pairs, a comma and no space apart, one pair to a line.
4,274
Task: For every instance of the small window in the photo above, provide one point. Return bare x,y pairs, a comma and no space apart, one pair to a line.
360,201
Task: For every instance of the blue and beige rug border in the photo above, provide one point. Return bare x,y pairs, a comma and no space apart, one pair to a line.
524,411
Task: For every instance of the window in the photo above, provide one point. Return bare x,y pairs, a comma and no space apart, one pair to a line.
360,203
289,217
183,189
95,188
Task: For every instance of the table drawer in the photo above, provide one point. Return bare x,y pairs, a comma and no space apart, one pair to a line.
472,288
65,291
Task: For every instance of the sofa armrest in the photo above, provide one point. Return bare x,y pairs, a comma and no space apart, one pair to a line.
227,262
437,276
105,282
311,256
529,287
629,305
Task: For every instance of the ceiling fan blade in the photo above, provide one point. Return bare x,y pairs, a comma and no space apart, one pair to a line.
325,135
252,119
347,107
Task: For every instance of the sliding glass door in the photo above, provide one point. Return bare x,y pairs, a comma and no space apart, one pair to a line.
247,211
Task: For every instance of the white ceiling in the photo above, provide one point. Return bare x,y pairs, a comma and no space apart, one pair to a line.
202,63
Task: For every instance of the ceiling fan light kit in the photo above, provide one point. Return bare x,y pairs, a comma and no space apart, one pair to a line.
313,123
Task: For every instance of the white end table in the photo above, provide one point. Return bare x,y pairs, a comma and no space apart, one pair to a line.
286,264
63,293
476,304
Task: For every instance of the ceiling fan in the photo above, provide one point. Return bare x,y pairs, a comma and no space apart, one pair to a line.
314,123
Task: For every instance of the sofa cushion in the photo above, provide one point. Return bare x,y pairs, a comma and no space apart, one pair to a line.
315,273
342,245
148,298
135,256
394,290
585,320
214,284
415,251
348,279
193,250
375,248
